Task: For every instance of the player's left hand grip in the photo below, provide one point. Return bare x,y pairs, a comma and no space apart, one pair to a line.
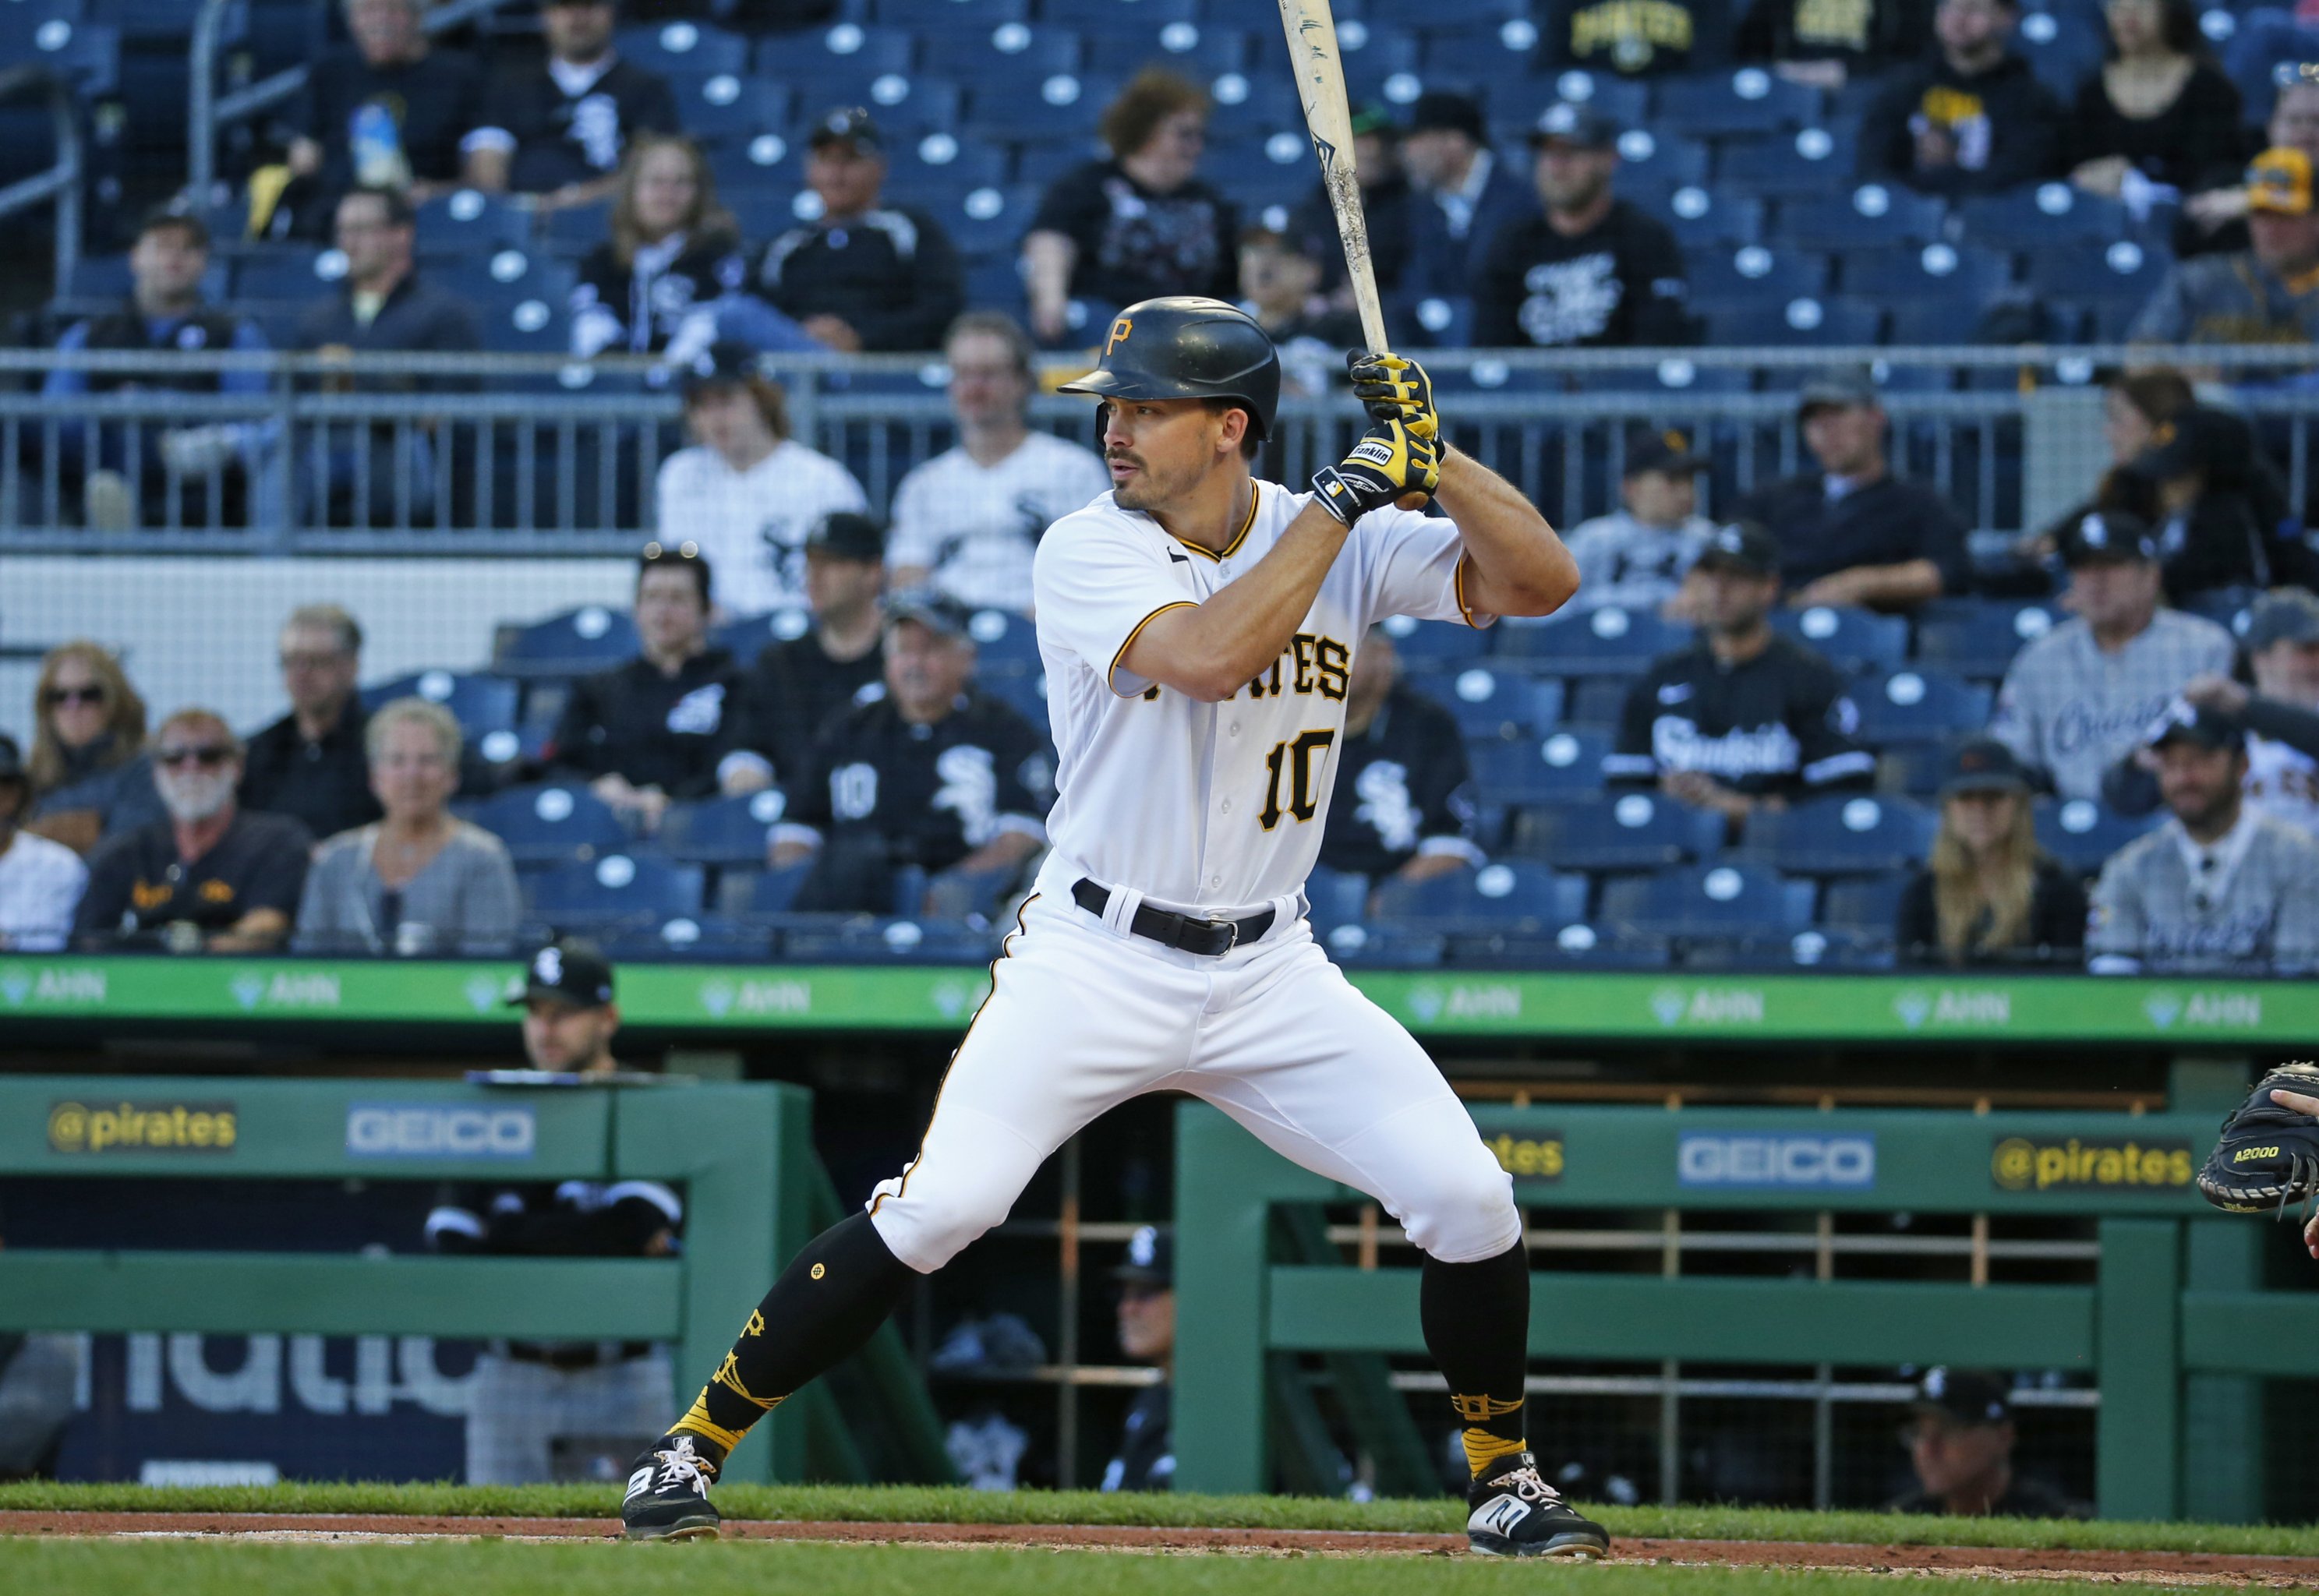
1389,466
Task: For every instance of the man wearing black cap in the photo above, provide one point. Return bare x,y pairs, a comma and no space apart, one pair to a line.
2221,885
1743,718
1465,194
1971,117
1146,1459
1388,205
1636,557
662,726
933,774
1961,1440
797,684
1852,532
864,276
556,1410
557,129
41,882
2078,699
1591,270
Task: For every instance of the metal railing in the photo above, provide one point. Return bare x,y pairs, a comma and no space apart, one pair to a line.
60,185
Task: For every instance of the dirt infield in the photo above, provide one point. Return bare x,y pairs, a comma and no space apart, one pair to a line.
2169,1568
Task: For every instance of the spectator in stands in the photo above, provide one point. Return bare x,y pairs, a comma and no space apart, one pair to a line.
1989,893
2218,213
1146,1459
2134,404
1961,1440
2221,885
797,686
558,130
2158,114
387,110
1139,224
932,775
747,492
1824,46
124,479
41,882
865,275
1465,196
2270,294
1386,205
1280,286
1744,718
968,521
91,776
212,876
1591,269
657,729
310,764
1406,811
1636,557
674,253
381,306
1852,532
419,880
1970,119
2221,502
1625,41
2080,697
2281,716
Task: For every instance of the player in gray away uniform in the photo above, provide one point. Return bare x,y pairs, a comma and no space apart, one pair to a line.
2221,886
2081,696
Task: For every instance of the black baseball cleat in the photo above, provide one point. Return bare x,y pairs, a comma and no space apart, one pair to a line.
668,1492
1515,1513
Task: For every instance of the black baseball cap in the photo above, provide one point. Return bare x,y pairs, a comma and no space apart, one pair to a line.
1984,765
179,216
2211,729
1440,111
1968,1396
846,535
571,969
1745,547
2107,538
1150,1259
848,124
936,611
1579,126
2290,614
727,363
1838,387
1667,451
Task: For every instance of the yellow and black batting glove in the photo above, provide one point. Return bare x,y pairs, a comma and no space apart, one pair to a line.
1394,387
1391,465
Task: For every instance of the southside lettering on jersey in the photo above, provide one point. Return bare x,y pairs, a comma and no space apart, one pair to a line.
1778,723
1231,798
934,793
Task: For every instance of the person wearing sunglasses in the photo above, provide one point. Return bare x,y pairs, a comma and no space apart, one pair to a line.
89,774
210,876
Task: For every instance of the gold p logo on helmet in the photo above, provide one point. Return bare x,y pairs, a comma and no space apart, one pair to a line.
1119,331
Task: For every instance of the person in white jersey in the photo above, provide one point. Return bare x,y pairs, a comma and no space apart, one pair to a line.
1198,627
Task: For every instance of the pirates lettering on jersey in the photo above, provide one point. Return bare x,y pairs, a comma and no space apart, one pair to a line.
1317,665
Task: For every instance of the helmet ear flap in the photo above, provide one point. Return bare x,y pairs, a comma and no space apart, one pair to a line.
1102,422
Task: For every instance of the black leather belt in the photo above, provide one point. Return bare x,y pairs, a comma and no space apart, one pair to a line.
1213,938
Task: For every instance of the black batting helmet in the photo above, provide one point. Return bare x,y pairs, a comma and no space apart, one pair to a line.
1183,346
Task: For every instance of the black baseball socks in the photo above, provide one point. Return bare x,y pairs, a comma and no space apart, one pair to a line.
830,1299
1476,1321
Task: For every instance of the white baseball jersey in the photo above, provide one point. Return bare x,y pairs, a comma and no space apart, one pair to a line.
974,528
2283,782
1215,809
2069,708
751,524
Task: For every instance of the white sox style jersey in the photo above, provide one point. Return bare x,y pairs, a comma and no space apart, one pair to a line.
973,529
2069,708
1214,808
751,524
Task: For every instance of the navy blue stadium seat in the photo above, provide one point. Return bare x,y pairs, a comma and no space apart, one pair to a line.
1562,765
572,231
708,938
613,888
1508,892
1419,644
589,638
552,824
1596,701
1714,900
2082,835
470,224
1916,768
1604,641
1918,707
1833,322
1850,639
840,49
1749,101
532,325
931,169
2037,219
1798,165
749,636
51,33
1091,14
2227,608
1841,836
817,938
483,705
1868,904
1004,641
755,895
986,220
1753,276
1706,219
1023,692
689,49
1053,109
1335,897
284,272
1675,377
1623,100
723,109
721,831
1867,217
2120,269
1200,51
1493,701
1814,948
2061,43
1941,269
1977,638
1663,159
1627,830
1359,944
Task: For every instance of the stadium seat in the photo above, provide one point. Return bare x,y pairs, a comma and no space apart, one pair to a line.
1918,707
756,895
1850,639
614,888
1720,104
750,635
1359,944
1579,945
552,824
2084,273
684,49
1596,702
468,224
1977,638
1674,377
1840,837
721,831
1798,165
286,272
988,220
1665,160
1753,276
723,110
2082,835
589,638
853,939
483,705
1940,269
1004,642
1419,644
1509,894
1916,768
532,325
1023,692
2049,214
1200,51
1706,220
935,168
1813,948
1604,641
1054,109
1622,100
1490,702
1335,897
1868,906
1627,830
1561,765
1870,216
1112,14
703,937
1721,900
1835,322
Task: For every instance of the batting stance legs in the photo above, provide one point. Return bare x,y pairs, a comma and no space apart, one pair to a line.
1082,1017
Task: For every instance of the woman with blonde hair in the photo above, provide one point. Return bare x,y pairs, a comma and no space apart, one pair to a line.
419,880
674,252
89,771
1989,893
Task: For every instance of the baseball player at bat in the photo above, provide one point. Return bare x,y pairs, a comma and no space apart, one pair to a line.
1199,628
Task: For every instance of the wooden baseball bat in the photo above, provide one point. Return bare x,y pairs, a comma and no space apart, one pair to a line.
1328,116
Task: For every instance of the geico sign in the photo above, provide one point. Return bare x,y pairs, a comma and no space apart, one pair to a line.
1707,1159
426,1131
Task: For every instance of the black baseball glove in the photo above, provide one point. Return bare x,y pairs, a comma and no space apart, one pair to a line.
2268,1160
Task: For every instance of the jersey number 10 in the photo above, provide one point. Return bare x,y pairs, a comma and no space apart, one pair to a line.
1295,760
